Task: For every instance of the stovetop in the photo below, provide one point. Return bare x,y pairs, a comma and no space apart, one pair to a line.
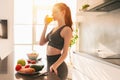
113,61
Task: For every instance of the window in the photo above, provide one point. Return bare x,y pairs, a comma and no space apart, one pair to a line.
29,23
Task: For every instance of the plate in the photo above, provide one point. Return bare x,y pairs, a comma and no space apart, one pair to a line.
27,74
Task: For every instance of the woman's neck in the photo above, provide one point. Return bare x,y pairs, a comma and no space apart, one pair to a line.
61,23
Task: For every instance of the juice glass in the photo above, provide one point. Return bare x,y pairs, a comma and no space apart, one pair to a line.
49,19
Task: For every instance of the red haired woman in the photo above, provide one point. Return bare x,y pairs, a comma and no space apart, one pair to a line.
58,40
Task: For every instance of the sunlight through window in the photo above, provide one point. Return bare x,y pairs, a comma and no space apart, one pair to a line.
29,22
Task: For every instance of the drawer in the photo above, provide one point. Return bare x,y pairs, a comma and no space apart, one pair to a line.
79,62
77,75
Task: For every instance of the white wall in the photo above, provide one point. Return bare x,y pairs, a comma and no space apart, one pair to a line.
100,29
6,46
6,12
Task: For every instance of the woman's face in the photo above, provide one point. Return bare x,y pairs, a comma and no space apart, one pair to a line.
57,13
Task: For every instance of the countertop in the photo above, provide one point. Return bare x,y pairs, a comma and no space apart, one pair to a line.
49,76
109,61
114,61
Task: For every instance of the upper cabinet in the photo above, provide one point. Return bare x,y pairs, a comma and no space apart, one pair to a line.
81,3
99,5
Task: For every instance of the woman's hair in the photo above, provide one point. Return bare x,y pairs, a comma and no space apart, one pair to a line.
68,19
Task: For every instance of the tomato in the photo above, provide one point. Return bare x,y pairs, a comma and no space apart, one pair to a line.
27,66
18,67
33,61
29,61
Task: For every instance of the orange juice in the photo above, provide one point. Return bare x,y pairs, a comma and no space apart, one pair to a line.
49,19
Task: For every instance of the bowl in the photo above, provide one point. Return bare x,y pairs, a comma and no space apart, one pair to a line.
32,56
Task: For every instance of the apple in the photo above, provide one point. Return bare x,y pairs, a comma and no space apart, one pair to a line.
22,62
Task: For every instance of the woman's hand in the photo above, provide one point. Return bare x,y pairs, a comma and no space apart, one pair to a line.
53,68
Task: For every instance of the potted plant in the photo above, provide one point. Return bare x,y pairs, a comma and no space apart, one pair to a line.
85,7
74,38
72,42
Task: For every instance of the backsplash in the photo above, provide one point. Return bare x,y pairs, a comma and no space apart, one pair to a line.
101,29
110,37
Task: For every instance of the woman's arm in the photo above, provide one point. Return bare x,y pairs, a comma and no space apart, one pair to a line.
43,39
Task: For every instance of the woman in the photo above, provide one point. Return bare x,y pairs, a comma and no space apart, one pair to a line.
58,40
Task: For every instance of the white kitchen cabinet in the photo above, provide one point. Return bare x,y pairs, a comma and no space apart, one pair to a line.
94,68
92,3
77,75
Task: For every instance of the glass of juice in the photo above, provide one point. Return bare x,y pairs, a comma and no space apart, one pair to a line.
49,19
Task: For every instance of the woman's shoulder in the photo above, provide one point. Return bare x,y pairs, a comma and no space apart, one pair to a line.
67,31
67,28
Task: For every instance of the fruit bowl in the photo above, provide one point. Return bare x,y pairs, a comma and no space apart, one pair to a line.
31,70
32,56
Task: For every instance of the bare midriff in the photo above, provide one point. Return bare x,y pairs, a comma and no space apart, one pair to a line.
53,51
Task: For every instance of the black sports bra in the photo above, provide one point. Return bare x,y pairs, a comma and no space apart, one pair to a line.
55,39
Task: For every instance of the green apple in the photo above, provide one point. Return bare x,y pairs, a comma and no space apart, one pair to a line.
22,62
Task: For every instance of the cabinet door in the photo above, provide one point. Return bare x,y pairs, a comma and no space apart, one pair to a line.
101,71
80,3
80,62
77,75
92,3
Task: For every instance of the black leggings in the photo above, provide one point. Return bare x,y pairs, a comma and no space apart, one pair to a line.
62,69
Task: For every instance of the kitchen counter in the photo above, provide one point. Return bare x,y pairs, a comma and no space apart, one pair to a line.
114,61
38,76
49,76
109,61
